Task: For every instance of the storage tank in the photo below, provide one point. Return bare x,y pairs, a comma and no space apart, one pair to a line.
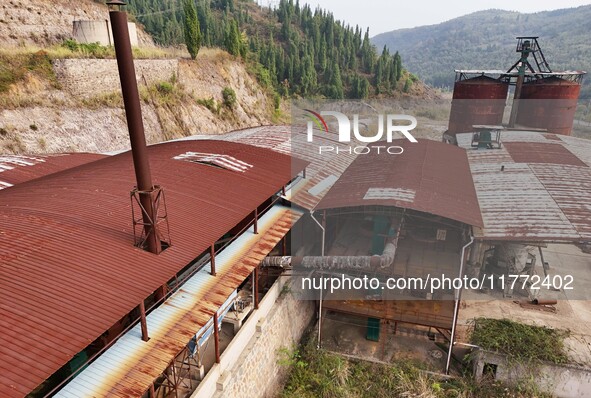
478,100
549,104
100,32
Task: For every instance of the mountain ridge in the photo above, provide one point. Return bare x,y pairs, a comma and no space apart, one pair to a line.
486,39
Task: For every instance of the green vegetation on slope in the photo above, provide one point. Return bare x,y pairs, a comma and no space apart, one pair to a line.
486,39
292,48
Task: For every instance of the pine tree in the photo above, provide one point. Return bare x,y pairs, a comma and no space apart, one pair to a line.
407,85
192,32
398,66
233,38
335,85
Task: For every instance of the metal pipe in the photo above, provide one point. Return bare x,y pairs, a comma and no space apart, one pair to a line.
543,261
357,263
323,231
458,295
256,288
216,337
319,345
544,302
253,285
133,113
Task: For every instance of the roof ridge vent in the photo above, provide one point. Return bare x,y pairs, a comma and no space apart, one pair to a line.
222,161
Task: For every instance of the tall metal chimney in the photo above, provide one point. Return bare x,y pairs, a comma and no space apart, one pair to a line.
133,113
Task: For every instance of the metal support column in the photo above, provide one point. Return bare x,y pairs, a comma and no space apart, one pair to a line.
256,221
216,336
212,259
143,322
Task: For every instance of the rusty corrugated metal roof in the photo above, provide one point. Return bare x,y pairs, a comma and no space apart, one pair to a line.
15,169
535,188
291,140
429,176
131,365
68,268
542,152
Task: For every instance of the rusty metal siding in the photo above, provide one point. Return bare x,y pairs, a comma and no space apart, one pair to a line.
429,176
479,100
549,103
68,267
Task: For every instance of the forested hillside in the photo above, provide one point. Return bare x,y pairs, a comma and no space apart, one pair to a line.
486,39
292,48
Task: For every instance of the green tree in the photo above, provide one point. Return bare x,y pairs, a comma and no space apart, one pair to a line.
398,63
407,85
233,38
335,85
192,32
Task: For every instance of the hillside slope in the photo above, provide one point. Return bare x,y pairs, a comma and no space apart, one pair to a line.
297,50
47,22
486,39
72,105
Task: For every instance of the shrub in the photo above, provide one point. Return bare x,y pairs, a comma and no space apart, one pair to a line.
229,96
210,104
165,88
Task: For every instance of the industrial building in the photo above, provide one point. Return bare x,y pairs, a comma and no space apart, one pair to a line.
112,289
75,229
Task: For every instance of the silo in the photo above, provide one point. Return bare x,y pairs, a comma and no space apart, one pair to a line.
549,104
478,100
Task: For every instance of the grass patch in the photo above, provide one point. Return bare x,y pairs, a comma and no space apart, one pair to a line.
109,100
523,343
317,373
15,67
73,49
210,103
434,112
163,93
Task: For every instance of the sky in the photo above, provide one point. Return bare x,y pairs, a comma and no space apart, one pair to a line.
386,15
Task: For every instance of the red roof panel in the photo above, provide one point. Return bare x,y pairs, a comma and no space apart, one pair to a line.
15,169
68,267
429,176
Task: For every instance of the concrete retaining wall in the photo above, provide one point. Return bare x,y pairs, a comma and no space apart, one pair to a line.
563,381
249,366
91,77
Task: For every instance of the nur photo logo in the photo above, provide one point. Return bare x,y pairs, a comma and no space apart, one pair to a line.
388,128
